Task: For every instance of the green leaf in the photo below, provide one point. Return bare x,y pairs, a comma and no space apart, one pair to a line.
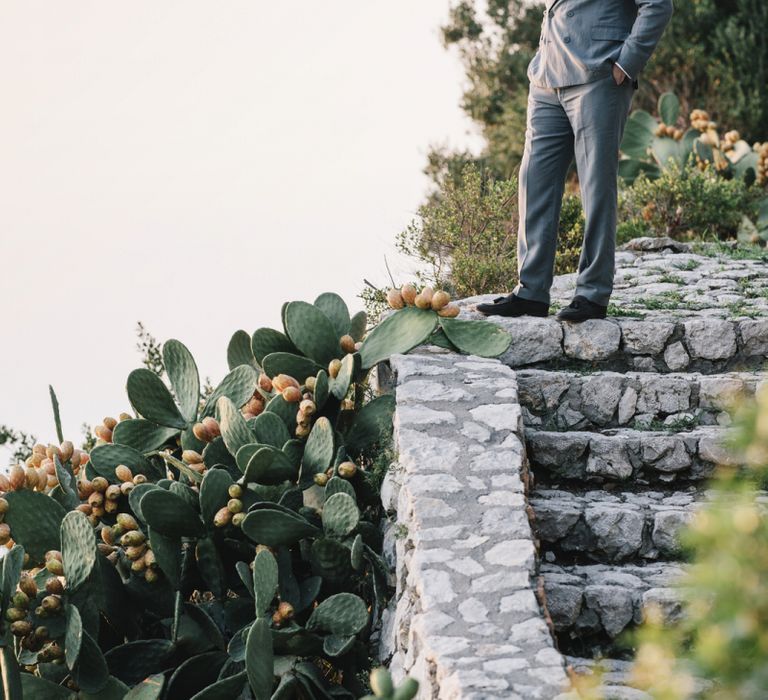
398,333
152,400
476,337
78,548
335,308
56,416
266,341
38,688
296,366
34,519
259,659
73,636
234,429
264,581
184,377
341,614
669,108
318,451
269,466
372,424
340,515
238,386
357,326
630,169
142,435
225,689
170,515
151,688
214,493
104,459
270,429
666,149
638,134
275,528
90,672
167,551
311,332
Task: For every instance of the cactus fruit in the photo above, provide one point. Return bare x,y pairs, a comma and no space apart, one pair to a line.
423,299
347,470
449,311
347,344
395,299
408,293
334,367
291,394
440,299
223,517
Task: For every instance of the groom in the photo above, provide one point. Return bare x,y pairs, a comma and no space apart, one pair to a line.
581,84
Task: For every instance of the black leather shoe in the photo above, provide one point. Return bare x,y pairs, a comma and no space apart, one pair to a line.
581,309
512,305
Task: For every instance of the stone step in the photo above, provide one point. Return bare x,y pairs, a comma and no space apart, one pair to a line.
616,526
698,343
612,527
563,400
593,604
641,457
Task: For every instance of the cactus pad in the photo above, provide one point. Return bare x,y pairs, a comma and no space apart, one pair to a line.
234,429
321,389
476,337
270,429
209,566
372,424
340,515
338,485
184,377
239,351
275,528
78,548
167,551
73,636
230,687
334,645
264,581
335,308
238,386
311,332
357,325
356,553
398,333
285,410
151,688
259,659
265,341
330,559
104,459
151,399
90,672
269,466
296,366
340,385
142,435
34,519
214,493
170,514
341,614
318,452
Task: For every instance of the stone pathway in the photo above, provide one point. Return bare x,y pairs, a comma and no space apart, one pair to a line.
618,423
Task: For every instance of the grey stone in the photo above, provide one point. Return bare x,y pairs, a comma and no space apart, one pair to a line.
554,520
676,357
663,394
667,600
618,530
665,453
563,603
754,337
600,396
613,605
667,525
710,338
536,340
627,405
654,243
608,458
591,340
720,392
645,337
502,416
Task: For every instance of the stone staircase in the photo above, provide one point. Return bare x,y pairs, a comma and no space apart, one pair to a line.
624,423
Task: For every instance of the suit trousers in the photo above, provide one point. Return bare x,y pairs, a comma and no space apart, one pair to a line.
586,122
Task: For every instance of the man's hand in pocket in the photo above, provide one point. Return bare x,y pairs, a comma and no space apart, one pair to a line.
619,76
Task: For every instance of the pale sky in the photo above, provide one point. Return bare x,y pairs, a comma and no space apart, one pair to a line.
192,165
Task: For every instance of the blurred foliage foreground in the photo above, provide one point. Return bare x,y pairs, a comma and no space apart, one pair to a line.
218,544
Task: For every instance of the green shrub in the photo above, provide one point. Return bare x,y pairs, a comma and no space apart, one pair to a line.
722,638
465,237
686,203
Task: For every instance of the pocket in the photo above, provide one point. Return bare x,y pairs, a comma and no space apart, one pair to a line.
606,33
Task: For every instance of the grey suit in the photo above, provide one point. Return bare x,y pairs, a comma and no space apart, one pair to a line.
575,108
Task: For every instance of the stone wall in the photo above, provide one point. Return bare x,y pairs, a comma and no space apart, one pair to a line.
465,621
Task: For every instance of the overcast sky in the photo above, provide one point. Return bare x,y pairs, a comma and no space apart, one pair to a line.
192,165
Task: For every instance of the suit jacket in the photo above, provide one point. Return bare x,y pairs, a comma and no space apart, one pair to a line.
582,39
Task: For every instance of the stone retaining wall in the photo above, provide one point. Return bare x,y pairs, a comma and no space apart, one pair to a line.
465,621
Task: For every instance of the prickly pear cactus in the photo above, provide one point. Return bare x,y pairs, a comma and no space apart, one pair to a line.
211,547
